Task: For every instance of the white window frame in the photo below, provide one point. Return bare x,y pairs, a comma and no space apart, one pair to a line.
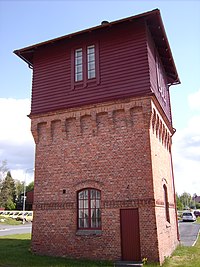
78,64
91,62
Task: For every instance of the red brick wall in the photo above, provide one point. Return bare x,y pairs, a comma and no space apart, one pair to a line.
110,147
29,197
162,175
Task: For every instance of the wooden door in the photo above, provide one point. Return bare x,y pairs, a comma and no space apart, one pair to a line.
130,235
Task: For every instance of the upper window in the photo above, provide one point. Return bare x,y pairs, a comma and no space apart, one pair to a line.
85,65
161,79
91,73
78,64
89,213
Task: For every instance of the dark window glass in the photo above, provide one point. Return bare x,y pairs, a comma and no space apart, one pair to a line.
89,213
166,203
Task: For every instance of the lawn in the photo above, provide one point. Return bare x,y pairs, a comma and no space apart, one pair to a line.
4,220
15,252
185,257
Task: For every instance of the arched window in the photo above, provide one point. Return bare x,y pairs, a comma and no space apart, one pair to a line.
89,213
166,203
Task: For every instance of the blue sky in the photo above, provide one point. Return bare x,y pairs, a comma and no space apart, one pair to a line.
23,23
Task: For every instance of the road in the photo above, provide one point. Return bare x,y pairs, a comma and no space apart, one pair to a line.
188,233
15,229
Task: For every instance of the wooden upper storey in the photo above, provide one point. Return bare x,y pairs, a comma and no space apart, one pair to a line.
117,60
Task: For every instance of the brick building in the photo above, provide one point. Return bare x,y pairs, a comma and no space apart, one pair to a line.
101,121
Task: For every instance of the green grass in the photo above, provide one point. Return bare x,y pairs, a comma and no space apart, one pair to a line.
10,221
183,257
15,252
198,220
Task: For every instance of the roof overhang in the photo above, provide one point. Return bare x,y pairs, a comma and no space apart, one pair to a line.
153,21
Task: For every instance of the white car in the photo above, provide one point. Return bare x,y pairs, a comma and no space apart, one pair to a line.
188,216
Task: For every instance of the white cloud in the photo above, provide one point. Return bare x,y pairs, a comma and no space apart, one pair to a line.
186,151
16,142
186,171
194,100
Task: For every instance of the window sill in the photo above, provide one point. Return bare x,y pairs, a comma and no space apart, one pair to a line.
84,83
89,232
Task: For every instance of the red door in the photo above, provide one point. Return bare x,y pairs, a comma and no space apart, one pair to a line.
130,235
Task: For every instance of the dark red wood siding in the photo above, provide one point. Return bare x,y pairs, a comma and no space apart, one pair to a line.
126,67
152,54
123,69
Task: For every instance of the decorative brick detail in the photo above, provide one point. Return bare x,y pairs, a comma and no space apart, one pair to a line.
54,206
107,204
132,203
121,148
161,130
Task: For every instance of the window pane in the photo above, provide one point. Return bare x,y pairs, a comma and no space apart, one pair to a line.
79,68
93,218
91,61
90,49
85,194
91,57
81,219
98,194
78,52
92,203
98,220
81,214
78,65
97,204
80,204
89,214
91,66
98,213
79,60
79,77
80,195
81,223
86,219
93,194
91,74
86,204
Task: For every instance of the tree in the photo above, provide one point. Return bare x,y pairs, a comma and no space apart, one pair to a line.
30,186
19,188
3,169
179,204
197,205
186,200
10,205
8,192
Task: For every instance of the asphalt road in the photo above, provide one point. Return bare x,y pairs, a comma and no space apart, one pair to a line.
188,233
15,229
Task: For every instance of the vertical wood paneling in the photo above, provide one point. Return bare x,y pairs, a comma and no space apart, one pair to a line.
130,235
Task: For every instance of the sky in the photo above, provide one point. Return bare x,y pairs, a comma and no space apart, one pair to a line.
24,23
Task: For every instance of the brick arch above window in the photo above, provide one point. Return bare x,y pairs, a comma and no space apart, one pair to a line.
88,183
